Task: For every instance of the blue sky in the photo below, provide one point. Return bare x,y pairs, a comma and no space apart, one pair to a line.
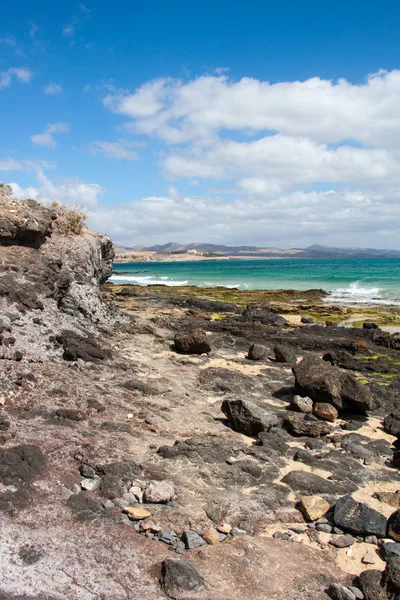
247,122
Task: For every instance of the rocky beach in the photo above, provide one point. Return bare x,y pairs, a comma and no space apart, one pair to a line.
182,443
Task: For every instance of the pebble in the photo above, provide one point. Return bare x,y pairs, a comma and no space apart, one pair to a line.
90,484
225,528
136,491
371,539
87,472
76,489
137,513
337,591
390,550
180,548
65,493
231,460
236,531
368,559
342,541
281,535
297,530
149,525
192,539
324,528
211,536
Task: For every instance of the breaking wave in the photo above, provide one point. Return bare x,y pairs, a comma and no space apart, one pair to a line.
356,293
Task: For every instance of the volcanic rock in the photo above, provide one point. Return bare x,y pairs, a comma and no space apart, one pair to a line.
325,411
285,354
192,342
261,313
248,418
299,425
309,484
257,352
370,585
304,405
358,518
394,525
178,577
159,492
317,379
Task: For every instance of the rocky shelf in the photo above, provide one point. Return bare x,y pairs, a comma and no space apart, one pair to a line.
156,444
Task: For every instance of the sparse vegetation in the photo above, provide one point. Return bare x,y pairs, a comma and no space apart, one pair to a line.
69,220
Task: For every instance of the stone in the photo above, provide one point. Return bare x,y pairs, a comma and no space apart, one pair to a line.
370,585
307,320
159,492
302,425
192,539
211,536
357,394
324,528
260,312
337,591
317,379
309,484
370,325
179,576
359,518
248,418
391,424
325,411
313,507
390,550
149,525
394,525
391,577
21,464
257,352
137,513
371,539
77,346
368,559
87,472
391,498
285,354
357,592
192,342
304,405
343,541
225,528
90,484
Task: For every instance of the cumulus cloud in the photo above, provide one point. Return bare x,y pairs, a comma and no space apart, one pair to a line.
122,149
52,89
21,75
71,192
46,138
9,164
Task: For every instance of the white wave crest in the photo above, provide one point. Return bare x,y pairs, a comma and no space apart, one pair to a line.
359,294
145,280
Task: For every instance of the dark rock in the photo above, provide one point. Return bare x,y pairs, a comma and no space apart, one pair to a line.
261,313
391,424
394,525
140,386
357,394
317,379
248,418
29,554
71,414
304,405
192,539
299,425
391,578
284,354
77,346
87,471
370,584
249,466
343,541
307,320
309,484
179,576
21,464
370,325
85,508
192,342
390,550
358,518
257,352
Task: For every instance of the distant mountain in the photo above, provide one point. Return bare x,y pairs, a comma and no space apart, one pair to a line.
353,251
313,251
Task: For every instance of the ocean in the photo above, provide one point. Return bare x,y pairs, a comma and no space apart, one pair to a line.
349,280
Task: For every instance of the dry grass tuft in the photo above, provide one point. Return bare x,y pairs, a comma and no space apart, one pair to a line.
69,220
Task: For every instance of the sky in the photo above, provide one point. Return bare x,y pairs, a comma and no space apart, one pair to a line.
256,123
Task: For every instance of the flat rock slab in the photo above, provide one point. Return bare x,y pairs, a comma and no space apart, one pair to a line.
358,518
309,484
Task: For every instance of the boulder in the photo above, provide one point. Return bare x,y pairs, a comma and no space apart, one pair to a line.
390,550
299,425
309,484
370,585
257,352
159,492
248,418
317,379
394,525
304,405
359,518
179,576
325,411
285,354
77,346
337,591
391,578
391,424
357,394
261,313
313,507
192,342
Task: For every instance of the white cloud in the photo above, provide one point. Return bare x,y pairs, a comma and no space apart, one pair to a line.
69,30
9,164
52,89
46,138
33,29
22,75
71,192
120,149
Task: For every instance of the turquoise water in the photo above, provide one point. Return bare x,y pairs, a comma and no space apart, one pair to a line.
350,280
